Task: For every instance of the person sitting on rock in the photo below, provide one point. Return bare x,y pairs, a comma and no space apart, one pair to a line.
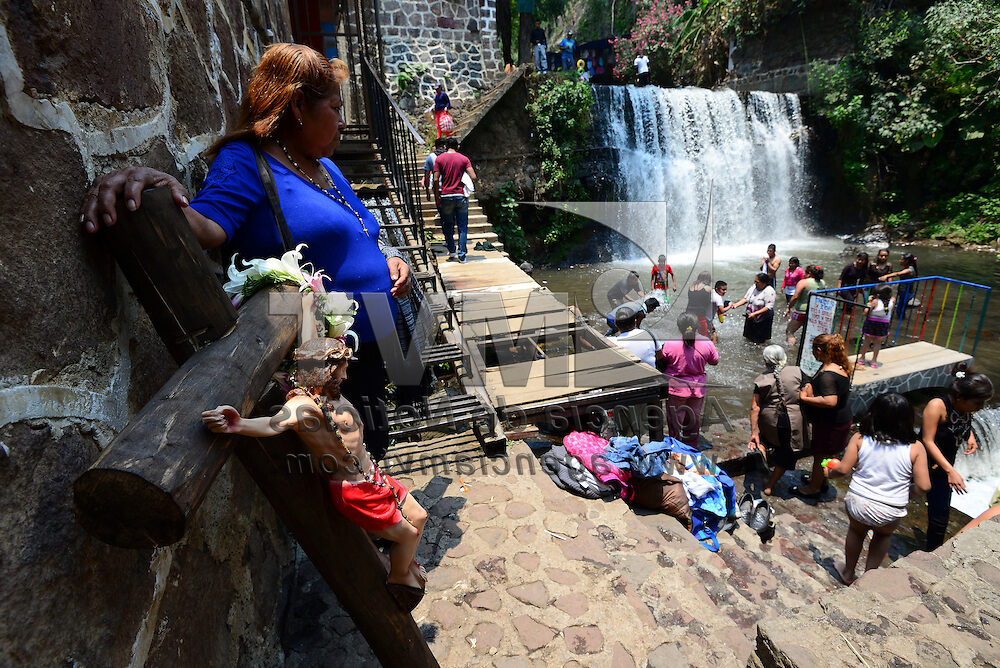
331,429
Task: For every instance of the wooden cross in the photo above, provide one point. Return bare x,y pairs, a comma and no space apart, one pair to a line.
147,484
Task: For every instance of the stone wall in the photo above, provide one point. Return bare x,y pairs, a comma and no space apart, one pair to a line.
89,87
454,42
776,58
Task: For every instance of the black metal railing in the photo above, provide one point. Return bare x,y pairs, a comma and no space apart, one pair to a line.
397,141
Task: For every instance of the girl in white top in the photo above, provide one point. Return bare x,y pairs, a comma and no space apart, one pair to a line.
885,458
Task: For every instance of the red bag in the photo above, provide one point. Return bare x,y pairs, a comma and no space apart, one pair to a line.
446,123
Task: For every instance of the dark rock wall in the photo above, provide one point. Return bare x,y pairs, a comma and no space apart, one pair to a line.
502,148
89,86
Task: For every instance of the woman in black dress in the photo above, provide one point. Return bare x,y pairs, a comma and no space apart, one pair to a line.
825,399
947,426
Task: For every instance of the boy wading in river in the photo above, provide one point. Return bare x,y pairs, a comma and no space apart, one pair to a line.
332,430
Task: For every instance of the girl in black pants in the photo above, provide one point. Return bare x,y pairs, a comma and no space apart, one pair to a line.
947,425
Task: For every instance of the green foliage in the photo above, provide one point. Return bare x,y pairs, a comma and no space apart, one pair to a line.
896,220
507,224
976,218
917,110
561,116
408,75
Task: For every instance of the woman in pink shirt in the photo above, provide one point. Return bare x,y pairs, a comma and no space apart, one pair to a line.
685,360
793,275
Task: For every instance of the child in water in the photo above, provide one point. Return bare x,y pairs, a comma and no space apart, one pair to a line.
885,457
947,425
876,327
332,430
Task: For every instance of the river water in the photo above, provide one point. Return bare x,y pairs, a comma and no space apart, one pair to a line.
731,381
745,160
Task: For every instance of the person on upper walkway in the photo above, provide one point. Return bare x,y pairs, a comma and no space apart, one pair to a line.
566,47
539,47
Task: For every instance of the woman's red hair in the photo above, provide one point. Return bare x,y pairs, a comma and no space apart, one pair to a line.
283,70
835,349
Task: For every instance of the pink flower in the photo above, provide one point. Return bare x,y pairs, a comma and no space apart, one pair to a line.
315,282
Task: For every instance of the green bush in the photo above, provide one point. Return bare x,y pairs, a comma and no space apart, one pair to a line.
560,114
507,224
917,112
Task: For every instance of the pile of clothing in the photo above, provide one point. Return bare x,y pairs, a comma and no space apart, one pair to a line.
667,476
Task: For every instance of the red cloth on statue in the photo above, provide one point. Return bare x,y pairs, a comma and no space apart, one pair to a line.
371,507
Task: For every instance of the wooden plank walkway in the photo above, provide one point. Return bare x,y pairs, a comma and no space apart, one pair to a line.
912,366
554,359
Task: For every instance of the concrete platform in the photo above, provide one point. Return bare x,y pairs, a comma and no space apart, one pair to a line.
912,366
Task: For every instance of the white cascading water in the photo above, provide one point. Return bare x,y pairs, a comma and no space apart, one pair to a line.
981,469
671,144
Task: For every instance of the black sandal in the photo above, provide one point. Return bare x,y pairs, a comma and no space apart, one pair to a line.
797,491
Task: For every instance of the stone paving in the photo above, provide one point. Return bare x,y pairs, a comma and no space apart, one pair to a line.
523,573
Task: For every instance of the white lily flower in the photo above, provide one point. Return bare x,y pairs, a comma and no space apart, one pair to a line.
337,325
237,277
339,303
290,264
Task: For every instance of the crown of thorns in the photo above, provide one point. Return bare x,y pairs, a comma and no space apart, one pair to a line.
322,350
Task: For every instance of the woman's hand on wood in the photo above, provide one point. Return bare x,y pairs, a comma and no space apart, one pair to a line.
99,202
402,277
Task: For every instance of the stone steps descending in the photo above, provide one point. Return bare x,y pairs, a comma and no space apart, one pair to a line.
927,609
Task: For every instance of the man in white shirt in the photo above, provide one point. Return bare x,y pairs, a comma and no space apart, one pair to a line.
642,66
718,307
639,341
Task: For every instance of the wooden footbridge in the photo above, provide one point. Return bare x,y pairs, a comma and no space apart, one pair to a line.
936,328
529,355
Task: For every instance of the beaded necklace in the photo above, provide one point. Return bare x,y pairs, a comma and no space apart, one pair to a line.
324,407
338,198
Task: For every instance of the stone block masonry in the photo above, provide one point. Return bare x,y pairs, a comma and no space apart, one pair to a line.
88,87
454,42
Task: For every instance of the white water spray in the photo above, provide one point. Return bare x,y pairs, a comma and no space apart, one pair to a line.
981,469
671,144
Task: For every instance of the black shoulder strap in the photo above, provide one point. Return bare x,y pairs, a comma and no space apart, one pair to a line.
267,178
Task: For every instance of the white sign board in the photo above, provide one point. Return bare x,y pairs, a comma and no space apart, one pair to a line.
820,321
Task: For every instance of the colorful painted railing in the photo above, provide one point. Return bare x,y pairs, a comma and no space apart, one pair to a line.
937,309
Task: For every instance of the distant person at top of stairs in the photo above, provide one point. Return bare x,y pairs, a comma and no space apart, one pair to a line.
449,169
539,45
443,120
642,66
566,48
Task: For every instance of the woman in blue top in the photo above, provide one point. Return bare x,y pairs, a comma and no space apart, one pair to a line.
291,113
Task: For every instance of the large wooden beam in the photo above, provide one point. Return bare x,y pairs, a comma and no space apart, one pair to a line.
150,480
341,551
169,273
146,485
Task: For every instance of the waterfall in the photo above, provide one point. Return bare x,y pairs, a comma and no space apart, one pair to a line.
669,145
981,469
